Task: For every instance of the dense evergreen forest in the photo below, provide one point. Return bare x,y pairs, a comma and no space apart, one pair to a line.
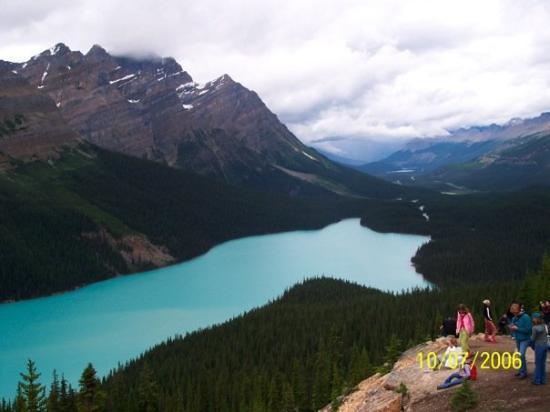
296,353
478,237
46,207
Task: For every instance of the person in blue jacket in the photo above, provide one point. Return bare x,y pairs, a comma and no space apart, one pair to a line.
521,328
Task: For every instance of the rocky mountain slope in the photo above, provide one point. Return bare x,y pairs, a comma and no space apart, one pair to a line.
151,108
31,127
498,389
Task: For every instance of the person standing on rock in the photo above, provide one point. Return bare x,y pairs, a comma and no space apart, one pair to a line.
521,328
464,326
490,328
539,337
545,309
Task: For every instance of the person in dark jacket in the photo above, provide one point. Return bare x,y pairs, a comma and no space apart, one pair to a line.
503,324
490,328
448,327
545,309
521,328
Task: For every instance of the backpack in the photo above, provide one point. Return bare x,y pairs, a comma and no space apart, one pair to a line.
473,373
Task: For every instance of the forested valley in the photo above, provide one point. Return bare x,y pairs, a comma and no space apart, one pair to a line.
297,353
53,214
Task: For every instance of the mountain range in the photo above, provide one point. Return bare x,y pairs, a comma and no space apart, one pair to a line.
151,108
495,157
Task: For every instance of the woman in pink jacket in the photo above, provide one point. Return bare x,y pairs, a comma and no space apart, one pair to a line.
464,326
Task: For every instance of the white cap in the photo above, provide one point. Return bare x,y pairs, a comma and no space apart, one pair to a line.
487,302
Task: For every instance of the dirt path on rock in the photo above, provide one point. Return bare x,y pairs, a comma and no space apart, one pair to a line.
498,390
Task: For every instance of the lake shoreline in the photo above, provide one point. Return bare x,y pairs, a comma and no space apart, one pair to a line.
173,263
177,262
115,320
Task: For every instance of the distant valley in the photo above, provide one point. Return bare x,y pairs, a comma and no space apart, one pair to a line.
506,157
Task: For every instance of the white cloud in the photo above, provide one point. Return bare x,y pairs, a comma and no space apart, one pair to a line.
382,69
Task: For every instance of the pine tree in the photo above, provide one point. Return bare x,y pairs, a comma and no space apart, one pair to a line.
299,385
19,404
393,351
288,401
5,406
360,366
32,392
53,404
66,397
322,378
337,382
273,395
90,397
148,390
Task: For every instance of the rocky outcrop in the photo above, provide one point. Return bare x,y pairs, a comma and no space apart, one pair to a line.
379,392
496,387
136,249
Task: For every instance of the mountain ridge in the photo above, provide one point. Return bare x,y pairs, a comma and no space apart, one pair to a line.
151,108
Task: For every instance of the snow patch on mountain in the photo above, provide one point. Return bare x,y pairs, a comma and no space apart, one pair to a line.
310,156
422,208
127,77
45,74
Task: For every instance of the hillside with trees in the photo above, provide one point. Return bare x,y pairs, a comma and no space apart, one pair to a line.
66,222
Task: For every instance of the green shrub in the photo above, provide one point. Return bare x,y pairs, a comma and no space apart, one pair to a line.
464,399
402,389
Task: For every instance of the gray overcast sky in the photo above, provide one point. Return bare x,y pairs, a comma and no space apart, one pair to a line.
362,69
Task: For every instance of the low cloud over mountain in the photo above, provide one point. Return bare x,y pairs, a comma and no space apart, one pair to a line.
355,69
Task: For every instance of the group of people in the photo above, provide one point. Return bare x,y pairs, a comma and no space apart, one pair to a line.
527,331
531,332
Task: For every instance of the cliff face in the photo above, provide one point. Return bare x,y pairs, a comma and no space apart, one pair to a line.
378,393
151,108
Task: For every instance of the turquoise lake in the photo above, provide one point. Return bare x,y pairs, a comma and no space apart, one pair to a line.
115,320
